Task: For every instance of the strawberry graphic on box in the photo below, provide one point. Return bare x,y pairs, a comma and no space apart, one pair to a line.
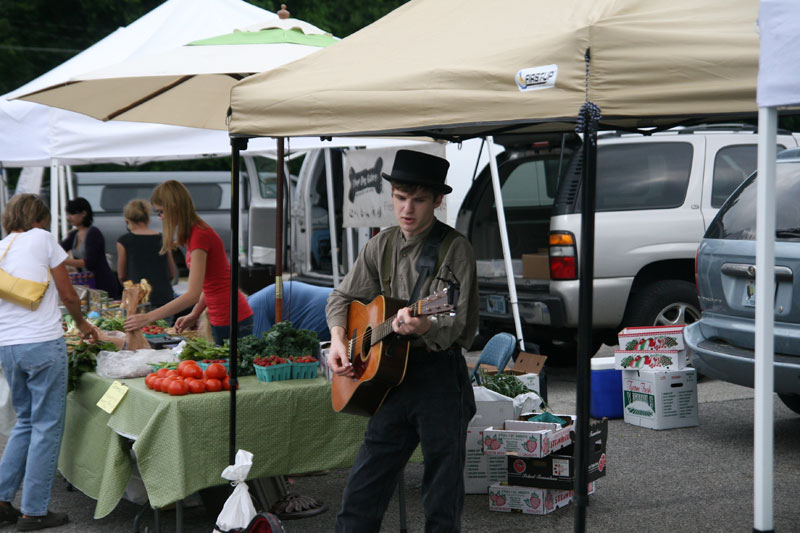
495,444
548,501
519,466
531,445
534,502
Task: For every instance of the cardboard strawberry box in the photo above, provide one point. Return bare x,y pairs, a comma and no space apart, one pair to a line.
527,439
528,368
529,500
662,399
481,470
651,338
649,360
557,470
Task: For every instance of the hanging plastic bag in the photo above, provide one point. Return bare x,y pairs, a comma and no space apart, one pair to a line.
238,510
8,418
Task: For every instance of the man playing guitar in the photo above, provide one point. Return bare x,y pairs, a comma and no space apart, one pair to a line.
433,404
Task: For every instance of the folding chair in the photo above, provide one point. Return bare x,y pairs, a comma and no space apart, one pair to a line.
497,352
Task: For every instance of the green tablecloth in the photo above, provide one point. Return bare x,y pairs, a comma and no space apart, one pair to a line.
181,442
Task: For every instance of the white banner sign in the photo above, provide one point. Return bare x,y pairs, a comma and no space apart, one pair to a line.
367,196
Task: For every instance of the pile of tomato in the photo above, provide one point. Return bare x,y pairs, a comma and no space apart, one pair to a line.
189,378
152,329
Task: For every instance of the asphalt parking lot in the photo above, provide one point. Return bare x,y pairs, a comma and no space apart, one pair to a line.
690,479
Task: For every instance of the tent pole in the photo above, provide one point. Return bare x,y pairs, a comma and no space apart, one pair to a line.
237,144
763,424
332,218
70,187
54,207
279,233
62,195
501,220
585,303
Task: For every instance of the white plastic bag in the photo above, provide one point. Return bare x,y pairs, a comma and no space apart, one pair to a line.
8,418
238,510
128,364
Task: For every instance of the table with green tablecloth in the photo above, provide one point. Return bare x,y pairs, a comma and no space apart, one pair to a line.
181,442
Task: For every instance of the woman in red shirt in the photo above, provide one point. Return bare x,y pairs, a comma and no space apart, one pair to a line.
209,269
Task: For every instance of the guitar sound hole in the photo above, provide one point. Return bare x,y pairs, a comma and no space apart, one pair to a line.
366,343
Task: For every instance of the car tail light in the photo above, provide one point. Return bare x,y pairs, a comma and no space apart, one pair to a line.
562,256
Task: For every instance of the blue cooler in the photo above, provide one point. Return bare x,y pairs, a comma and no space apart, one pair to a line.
606,389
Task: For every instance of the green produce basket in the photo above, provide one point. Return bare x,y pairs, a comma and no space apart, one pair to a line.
203,365
273,372
304,370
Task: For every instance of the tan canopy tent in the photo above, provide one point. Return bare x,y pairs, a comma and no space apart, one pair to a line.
452,68
455,69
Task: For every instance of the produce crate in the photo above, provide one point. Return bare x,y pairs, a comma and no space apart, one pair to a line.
273,372
304,370
203,365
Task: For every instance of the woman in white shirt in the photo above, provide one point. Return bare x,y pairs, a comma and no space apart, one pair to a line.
33,355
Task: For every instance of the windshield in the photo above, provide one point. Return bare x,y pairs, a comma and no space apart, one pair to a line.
736,219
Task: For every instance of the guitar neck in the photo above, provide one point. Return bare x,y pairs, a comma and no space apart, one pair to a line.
440,302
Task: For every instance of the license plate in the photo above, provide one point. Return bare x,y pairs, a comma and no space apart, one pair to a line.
749,299
496,304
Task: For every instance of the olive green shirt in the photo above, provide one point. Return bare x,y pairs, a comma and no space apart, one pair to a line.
363,283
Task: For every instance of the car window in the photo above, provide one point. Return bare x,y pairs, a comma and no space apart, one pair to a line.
206,196
736,220
531,184
642,175
732,165
267,176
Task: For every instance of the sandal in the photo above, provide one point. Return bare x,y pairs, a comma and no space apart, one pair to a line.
295,506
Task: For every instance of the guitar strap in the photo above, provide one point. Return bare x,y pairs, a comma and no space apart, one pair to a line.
434,249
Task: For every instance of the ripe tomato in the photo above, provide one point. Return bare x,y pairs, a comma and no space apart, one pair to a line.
192,371
215,371
188,362
226,383
166,382
213,384
175,373
196,386
162,372
178,388
157,384
150,379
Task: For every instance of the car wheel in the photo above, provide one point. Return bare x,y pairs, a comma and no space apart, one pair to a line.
664,303
792,401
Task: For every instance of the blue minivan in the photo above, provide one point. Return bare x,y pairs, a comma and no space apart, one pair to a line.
722,342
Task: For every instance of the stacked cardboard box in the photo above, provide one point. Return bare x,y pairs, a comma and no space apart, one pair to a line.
659,389
538,481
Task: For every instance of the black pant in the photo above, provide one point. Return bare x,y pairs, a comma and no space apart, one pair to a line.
432,407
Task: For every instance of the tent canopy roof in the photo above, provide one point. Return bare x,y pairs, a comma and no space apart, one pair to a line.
457,68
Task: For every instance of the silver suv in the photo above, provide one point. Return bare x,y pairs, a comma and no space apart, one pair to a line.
721,343
655,196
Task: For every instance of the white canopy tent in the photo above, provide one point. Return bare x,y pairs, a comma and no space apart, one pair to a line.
36,135
777,86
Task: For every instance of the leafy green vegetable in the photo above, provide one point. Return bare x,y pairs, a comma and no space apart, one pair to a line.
504,384
284,340
162,323
111,324
250,347
199,348
82,357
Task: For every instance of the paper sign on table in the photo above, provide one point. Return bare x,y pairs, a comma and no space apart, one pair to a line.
112,397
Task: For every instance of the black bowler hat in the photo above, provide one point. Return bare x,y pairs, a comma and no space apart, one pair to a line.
419,168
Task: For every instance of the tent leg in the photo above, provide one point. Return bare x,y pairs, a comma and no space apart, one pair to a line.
501,220
237,144
763,425
585,303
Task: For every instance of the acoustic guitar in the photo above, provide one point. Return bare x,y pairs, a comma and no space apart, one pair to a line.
378,355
